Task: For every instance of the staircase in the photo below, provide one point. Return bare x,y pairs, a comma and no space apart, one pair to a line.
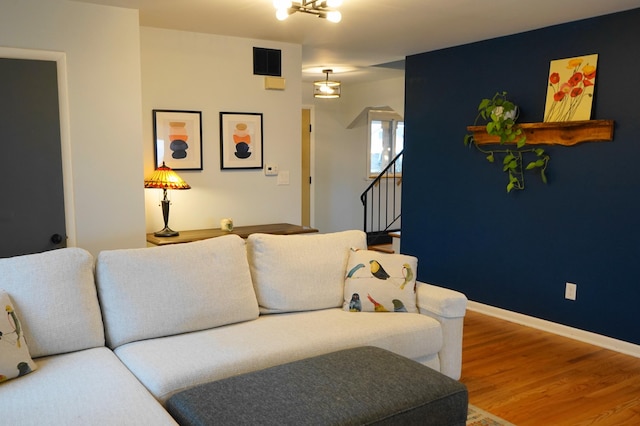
383,207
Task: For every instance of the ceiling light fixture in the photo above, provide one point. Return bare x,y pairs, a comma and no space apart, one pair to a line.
320,8
326,89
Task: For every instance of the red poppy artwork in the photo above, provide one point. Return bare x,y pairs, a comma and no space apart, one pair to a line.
570,89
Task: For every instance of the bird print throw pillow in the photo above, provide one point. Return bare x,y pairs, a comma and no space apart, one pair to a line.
15,359
380,282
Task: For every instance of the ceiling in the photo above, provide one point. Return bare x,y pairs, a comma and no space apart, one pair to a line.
371,32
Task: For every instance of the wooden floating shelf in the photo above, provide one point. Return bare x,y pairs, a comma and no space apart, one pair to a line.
565,133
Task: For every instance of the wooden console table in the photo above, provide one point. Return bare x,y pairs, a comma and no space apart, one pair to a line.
242,231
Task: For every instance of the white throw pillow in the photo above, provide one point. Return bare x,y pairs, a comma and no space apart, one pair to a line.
15,359
380,282
300,272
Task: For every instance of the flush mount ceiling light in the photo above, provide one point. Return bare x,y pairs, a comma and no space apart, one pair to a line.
320,8
326,89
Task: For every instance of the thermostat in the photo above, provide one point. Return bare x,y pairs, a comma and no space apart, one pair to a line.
271,170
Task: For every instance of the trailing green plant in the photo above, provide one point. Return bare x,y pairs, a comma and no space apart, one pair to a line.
501,115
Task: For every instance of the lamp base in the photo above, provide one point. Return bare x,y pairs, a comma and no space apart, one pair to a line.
166,232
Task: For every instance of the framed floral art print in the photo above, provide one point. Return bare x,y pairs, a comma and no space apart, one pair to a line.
571,84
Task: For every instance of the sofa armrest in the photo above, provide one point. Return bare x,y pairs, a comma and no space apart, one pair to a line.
449,308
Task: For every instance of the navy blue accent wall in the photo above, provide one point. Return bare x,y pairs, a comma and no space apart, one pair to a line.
516,251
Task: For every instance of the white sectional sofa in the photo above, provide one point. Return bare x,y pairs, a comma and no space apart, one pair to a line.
111,345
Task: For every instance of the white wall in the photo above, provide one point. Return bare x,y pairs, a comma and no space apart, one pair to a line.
209,73
102,50
340,154
118,72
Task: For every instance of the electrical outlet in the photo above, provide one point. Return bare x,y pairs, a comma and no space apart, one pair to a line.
570,291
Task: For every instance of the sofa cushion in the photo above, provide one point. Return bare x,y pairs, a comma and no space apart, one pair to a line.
15,359
89,387
56,296
170,364
380,282
300,272
160,291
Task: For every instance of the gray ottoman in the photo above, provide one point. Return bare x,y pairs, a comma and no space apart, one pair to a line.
358,386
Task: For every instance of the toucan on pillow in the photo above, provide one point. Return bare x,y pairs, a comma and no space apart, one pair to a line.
380,282
15,359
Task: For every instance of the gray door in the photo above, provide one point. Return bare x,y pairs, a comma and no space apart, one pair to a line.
32,198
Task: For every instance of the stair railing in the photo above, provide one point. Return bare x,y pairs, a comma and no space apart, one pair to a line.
382,201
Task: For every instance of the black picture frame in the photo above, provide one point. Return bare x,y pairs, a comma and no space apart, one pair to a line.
241,140
177,139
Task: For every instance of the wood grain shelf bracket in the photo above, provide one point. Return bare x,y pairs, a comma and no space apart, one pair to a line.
567,133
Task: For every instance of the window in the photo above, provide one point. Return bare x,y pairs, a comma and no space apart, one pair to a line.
386,140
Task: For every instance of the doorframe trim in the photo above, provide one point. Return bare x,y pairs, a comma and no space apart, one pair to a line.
312,164
65,139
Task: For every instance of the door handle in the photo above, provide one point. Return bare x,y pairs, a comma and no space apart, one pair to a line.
56,239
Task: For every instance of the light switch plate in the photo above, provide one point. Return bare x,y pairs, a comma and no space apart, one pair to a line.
283,177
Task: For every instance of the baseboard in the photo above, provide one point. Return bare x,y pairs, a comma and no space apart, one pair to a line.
562,330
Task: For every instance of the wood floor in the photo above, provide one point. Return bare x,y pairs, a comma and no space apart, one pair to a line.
530,377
